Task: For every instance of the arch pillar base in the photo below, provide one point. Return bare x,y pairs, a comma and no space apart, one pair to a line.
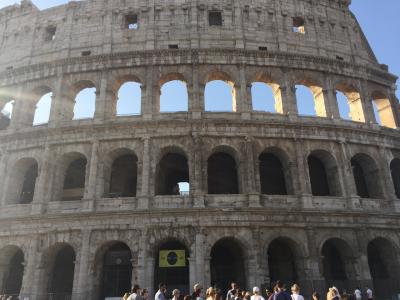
143,202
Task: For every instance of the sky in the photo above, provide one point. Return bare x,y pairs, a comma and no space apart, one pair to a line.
378,18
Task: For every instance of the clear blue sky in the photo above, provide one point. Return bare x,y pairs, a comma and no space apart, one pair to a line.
379,19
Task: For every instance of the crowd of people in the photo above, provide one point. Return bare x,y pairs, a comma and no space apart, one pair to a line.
279,292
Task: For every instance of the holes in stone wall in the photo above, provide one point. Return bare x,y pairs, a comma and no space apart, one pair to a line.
395,171
174,97
345,92
222,174
215,18
129,99
74,180
272,175
123,181
131,22
264,97
42,111
366,176
298,25
85,103
220,96
383,110
172,173
6,114
50,33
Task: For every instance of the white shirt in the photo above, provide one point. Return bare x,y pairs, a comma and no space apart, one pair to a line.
358,295
132,296
257,297
297,297
159,296
369,294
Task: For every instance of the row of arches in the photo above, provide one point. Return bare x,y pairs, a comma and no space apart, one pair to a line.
276,174
219,96
113,266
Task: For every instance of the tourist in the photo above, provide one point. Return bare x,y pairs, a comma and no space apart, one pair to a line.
358,294
239,295
256,294
281,294
187,297
125,297
296,292
162,289
336,294
233,288
134,292
211,294
268,293
176,294
197,290
316,296
370,295
144,294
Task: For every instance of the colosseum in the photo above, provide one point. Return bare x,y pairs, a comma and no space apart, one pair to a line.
90,205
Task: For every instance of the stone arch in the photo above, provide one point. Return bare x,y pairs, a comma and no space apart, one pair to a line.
338,263
12,264
366,176
284,260
395,172
58,271
121,173
264,79
84,94
126,96
22,181
42,98
220,80
172,252
173,85
228,263
355,105
112,269
324,174
383,107
73,189
275,172
6,109
222,171
316,88
172,171
383,262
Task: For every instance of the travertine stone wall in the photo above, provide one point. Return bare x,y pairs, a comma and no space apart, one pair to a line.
332,55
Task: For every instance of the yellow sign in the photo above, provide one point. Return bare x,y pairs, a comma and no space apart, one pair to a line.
172,258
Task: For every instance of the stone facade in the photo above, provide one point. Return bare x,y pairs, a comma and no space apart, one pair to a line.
87,44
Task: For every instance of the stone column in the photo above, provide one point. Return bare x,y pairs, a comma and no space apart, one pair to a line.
30,281
43,183
90,188
244,104
3,177
348,177
386,178
363,266
58,102
23,111
313,264
142,260
199,266
149,278
82,288
147,97
331,105
289,105
254,195
304,186
144,197
366,100
197,178
196,101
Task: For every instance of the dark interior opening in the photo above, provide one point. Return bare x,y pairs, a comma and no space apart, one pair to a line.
222,174
272,175
28,185
14,274
62,275
318,177
123,181
281,261
171,170
74,181
395,170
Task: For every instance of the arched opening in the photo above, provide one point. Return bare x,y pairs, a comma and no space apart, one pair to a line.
172,266
310,99
282,262
384,268
62,274
220,95
343,105
383,110
21,187
6,114
227,264
85,101
222,174
354,103
172,170
266,97
123,180
337,263
174,97
74,180
395,171
116,279
366,176
43,107
11,270
272,175
129,101
324,175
